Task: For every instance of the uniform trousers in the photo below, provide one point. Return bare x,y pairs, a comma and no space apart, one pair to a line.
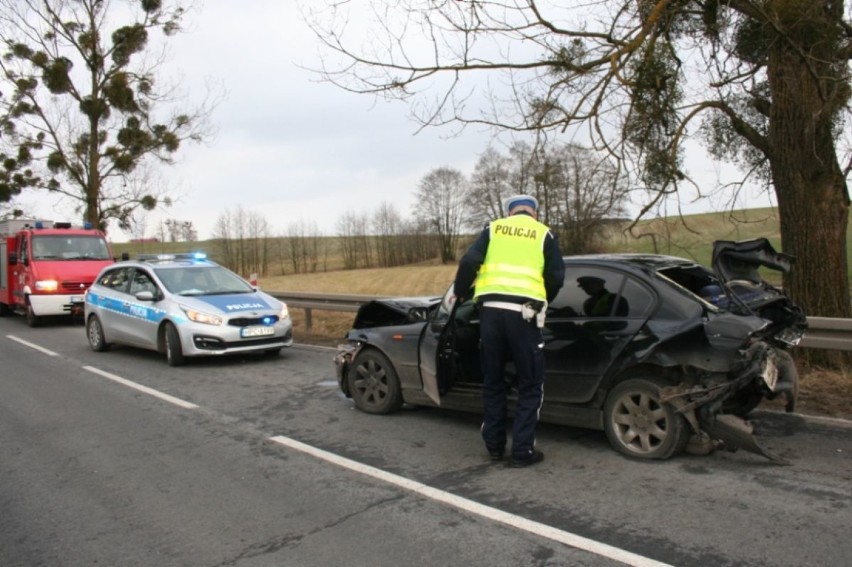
504,336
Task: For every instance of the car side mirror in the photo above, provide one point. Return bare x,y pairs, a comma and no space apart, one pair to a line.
145,296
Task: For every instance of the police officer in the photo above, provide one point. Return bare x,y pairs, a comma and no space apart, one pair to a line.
511,270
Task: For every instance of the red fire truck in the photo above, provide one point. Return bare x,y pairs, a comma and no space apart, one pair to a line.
46,267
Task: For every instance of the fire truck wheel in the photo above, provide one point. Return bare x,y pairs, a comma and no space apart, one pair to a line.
32,319
4,310
95,334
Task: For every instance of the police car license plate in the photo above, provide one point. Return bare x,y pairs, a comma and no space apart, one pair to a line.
256,331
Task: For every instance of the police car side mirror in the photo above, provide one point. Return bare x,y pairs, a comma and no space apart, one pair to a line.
145,296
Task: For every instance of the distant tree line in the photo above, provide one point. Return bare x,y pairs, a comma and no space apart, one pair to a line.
578,190
579,193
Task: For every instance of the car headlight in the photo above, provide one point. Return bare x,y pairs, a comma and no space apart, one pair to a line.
199,317
47,285
284,313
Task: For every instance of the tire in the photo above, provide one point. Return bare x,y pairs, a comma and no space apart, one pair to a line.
374,384
5,310
788,374
32,319
95,334
639,426
171,343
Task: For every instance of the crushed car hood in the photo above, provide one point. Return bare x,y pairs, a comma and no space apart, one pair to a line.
392,311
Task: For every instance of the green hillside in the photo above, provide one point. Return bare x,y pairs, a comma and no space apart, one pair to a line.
693,236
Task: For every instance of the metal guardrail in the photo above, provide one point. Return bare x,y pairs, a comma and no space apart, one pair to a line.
322,301
828,333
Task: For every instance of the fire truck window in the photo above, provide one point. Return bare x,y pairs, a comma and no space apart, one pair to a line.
23,254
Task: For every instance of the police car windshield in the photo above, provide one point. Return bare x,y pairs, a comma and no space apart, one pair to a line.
202,280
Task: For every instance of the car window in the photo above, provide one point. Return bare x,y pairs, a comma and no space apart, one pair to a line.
142,281
23,255
638,297
442,314
592,292
115,279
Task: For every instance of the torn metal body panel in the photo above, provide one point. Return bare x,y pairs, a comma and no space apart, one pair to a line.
662,367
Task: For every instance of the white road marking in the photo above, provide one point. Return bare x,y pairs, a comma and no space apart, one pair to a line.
141,388
31,345
493,514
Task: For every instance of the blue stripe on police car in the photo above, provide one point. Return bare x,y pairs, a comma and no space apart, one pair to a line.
234,303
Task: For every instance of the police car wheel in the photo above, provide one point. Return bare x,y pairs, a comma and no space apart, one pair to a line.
174,352
374,384
95,334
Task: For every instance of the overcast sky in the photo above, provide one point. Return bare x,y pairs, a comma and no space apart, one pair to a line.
288,147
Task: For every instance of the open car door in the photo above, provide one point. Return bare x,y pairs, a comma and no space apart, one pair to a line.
436,352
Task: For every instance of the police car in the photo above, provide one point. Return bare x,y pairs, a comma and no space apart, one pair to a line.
183,305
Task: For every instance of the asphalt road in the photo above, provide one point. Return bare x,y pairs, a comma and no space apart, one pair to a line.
117,459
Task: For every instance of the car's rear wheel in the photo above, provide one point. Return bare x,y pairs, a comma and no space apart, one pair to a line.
174,352
374,384
95,334
788,375
639,425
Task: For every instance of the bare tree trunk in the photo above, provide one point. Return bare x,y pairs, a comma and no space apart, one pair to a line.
813,198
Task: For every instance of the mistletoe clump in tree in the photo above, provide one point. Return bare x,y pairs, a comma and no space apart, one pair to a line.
83,115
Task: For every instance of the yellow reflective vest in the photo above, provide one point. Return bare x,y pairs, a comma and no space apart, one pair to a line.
514,261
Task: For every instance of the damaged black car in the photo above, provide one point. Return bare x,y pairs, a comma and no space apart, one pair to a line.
678,354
